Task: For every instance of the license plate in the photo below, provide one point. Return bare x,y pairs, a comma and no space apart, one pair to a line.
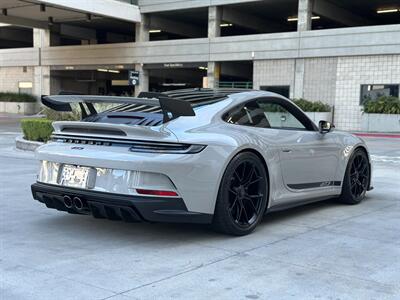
75,176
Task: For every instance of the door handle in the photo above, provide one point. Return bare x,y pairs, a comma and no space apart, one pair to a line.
286,150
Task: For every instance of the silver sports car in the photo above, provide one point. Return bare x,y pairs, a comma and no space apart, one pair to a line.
223,157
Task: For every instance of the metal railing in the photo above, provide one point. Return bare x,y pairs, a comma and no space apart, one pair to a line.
236,84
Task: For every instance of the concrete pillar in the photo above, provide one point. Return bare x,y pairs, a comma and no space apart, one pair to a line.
214,30
304,15
213,74
41,74
299,71
214,21
142,35
41,81
143,29
144,80
41,38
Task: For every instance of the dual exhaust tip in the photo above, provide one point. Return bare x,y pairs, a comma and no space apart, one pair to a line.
75,202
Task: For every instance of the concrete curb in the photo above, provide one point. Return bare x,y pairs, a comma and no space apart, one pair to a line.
22,144
378,135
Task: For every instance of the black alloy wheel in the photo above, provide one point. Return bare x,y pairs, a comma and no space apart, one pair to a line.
243,195
357,178
359,175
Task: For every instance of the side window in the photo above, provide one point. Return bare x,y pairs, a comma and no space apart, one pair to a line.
251,114
279,117
267,113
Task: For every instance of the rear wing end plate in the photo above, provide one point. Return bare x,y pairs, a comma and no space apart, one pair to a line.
171,108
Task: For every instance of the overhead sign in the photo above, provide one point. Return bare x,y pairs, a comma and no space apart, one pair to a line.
174,66
133,78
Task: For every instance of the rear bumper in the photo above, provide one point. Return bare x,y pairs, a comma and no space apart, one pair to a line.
119,207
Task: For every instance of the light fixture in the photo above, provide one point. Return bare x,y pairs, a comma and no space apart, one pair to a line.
387,10
174,84
203,68
226,25
42,7
108,71
295,19
154,31
4,12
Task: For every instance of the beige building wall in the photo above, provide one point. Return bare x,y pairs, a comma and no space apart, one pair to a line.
320,79
274,72
336,81
319,83
354,71
10,77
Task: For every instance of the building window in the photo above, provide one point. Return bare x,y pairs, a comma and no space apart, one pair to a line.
25,87
375,91
283,90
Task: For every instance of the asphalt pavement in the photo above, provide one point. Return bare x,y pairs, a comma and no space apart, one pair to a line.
319,251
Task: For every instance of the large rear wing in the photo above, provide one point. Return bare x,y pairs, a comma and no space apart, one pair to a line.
171,108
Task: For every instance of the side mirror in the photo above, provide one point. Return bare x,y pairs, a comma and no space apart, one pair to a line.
325,127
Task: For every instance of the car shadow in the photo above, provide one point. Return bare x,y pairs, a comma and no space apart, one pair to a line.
93,230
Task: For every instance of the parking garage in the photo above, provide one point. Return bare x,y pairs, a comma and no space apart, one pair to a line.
258,17
92,80
15,37
67,24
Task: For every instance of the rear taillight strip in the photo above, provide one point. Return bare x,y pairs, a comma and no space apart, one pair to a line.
134,146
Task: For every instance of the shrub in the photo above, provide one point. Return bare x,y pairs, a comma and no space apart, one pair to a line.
15,97
310,106
38,130
383,105
53,115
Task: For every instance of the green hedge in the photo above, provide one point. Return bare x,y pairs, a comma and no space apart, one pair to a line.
53,115
383,105
38,130
15,97
310,106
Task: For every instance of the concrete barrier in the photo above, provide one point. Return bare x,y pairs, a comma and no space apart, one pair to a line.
25,108
380,123
22,144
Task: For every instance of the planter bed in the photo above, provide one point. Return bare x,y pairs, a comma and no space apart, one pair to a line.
380,123
22,144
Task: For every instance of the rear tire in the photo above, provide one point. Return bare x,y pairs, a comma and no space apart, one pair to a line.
356,179
242,196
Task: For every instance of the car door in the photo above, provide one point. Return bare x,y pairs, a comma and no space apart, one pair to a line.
308,159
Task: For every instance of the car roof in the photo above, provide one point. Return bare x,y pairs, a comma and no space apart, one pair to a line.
207,95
